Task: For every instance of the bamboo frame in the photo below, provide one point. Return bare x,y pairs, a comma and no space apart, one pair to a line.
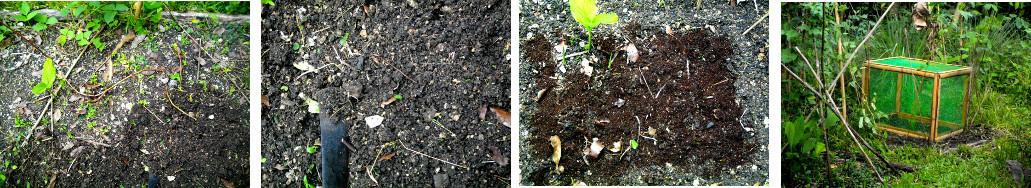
934,121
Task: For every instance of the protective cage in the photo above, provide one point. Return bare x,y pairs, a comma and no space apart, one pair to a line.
923,99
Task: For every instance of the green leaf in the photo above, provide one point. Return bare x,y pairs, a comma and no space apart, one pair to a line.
213,17
79,10
109,16
39,27
607,18
633,144
63,12
52,20
24,8
49,73
297,46
98,44
20,18
30,15
268,2
40,88
62,39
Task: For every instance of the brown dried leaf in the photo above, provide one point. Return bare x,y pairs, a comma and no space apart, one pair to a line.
91,86
385,103
227,183
483,112
76,151
503,115
499,158
264,100
280,167
177,68
386,157
557,144
218,31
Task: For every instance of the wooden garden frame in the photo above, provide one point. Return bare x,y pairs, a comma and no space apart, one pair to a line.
934,121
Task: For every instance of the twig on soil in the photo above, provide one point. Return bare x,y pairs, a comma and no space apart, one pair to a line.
177,107
376,58
442,126
756,23
644,81
570,55
152,113
26,40
110,65
420,153
93,142
100,95
335,51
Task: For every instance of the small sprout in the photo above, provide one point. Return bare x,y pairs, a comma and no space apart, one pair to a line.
312,149
297,46
284,88
633,144
398,96
596,148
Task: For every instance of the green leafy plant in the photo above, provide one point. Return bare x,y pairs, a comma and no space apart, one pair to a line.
343,41
586,13
312,149
47,78
27,14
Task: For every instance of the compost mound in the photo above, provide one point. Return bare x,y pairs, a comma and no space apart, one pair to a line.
676,101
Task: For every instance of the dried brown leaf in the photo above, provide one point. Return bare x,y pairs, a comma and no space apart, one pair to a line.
280,167
557,155
386,157
264,100
218,31
499,158
503,115
483,112
227,183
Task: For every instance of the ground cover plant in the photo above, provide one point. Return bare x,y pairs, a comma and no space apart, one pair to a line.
832,140
667,94
116,93
422,88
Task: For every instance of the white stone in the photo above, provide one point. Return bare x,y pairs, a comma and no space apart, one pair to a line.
374,121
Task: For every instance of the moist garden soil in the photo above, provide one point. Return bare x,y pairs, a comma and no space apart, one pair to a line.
136,129
443,60
693,101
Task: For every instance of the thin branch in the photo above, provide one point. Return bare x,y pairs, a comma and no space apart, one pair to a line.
420,153
856,51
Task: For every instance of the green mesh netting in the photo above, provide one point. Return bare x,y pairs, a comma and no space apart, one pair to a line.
919,64
906,96
951,105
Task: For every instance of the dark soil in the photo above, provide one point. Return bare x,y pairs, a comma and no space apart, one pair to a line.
142,129
445,59
694,87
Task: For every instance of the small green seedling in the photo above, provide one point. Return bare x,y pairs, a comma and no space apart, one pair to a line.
312,149
633,144
398,96
48,77
297,46
586,12
343,41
